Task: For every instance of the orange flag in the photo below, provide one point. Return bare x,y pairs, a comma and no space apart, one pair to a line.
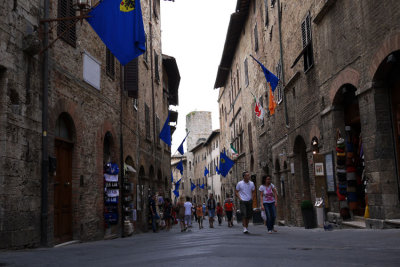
272,104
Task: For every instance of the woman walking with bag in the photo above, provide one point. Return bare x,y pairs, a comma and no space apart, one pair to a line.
268,201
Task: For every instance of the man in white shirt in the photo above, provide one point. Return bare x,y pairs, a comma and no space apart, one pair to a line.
245,191
188,213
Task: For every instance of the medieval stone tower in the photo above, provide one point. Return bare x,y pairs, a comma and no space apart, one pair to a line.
199,126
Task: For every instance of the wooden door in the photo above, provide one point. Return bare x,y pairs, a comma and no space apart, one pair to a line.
63,193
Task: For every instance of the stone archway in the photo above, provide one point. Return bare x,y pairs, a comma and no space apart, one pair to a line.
386,81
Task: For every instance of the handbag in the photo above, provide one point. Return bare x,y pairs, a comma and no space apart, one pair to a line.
263,215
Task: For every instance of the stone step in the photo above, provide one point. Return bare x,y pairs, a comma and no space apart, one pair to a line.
355,224
392,223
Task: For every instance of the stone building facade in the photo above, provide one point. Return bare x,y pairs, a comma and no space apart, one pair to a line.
91,121
337,62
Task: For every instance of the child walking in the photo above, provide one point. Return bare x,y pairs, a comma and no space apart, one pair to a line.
199,213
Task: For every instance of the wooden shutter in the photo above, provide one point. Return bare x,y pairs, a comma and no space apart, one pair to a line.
157,72
250,137
307,43
131,78
158,129
66,29
147,120
110,64
255,38
246,72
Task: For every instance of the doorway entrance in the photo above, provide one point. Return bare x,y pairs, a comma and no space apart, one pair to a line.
63,180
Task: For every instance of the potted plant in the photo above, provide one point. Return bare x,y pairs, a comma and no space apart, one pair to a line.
307,210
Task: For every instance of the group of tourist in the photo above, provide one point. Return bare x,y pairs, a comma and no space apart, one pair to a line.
183,211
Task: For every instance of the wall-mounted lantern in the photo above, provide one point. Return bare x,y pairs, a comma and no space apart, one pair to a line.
314,145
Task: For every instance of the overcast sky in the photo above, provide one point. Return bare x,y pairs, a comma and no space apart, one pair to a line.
194,31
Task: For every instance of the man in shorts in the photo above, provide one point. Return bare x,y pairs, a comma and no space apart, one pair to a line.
188,213
245,191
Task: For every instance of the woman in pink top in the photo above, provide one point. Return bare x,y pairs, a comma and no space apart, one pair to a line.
269,199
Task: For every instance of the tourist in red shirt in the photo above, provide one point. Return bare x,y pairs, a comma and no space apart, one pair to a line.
229,206
220,213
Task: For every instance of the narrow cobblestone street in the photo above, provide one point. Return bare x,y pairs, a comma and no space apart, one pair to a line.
222,246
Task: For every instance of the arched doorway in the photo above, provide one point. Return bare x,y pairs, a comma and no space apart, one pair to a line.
301,181
64,144
347,120
111,202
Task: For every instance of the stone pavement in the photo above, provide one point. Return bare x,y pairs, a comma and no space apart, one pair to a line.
223,246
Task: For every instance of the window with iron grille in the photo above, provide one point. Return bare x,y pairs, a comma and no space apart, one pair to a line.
266,12
110,64
246,73
157,73
279,88
306,35
147,120
255,38
66,29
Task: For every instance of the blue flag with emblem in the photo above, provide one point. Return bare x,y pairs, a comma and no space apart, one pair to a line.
202,186
119,24
192,186
165,133
179,166
225,164
206,171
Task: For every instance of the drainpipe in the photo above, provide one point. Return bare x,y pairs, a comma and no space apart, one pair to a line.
45,157
282,65
152,99
122,168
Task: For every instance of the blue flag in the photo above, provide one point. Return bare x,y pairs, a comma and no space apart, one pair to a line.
225,164
202,186
206,171
217,170
165,133
269,76
180,148
120,26
176,193
192,185
179,166
172,177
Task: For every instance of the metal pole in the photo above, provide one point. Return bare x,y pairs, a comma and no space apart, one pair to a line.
45,157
